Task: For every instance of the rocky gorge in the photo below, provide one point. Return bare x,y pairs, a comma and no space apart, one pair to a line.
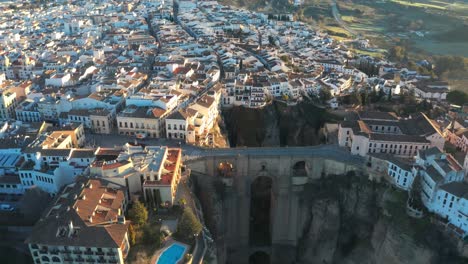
349,219
276,124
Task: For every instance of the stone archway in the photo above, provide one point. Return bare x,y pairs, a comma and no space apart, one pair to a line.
260,211
259,257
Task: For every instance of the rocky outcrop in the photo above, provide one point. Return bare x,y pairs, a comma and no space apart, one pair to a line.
322,232
390,246
349,222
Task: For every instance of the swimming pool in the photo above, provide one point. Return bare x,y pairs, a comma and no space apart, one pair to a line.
172,254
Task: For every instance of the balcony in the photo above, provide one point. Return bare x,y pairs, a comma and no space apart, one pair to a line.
100,253
77,252
88,252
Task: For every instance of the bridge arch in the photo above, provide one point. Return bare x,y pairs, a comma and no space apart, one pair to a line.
260,226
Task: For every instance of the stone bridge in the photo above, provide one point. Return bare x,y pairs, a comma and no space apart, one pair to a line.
262,215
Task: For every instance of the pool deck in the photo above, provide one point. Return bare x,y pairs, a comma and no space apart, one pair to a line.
169,242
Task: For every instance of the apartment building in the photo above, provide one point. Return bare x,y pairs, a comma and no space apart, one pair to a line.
452,203
84,224
195,122
141,121
8,104
436,168
102,121
177,126
27,111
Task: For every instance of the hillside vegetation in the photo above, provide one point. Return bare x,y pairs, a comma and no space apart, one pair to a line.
276,125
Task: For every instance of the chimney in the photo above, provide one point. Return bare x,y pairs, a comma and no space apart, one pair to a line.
70,228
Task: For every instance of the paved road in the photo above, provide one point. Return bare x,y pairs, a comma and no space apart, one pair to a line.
337,16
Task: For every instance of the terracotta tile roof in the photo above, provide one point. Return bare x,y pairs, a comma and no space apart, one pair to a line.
158,112
83,214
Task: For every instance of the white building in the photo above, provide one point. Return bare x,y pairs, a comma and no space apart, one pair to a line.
401,171
452,204
436,168
381,132
58,80
27,111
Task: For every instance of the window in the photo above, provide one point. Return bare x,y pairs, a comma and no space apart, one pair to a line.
168,126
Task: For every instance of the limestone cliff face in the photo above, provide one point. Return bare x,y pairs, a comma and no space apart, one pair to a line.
348,222
390,246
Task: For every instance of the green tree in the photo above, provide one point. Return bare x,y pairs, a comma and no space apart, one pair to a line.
397,53
188,225
138,214
364,97
132,235
457,97
324,95
445,64
151,235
